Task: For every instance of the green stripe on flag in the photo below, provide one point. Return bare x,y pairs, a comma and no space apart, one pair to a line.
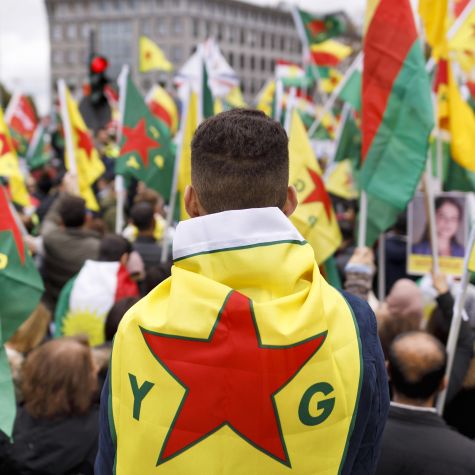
397,156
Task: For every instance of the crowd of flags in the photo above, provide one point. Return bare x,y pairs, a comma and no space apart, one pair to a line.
392,109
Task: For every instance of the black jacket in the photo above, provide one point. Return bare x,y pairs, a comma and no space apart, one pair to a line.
65,446
417,442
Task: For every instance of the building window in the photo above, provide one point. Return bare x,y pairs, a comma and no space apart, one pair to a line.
177,26
147,27
242,61
282,43
161,28
253,63
231,59
115,42
71,32
263,40
57,32
263,64
195,27
241,36
176,54
219,31
85,31
58,57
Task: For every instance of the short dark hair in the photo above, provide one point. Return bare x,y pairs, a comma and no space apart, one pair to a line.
72,210
117,311
422,381
142,215
155,275
113,247
239,160
442,200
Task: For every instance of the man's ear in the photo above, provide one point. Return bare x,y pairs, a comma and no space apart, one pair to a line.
192,203
291,202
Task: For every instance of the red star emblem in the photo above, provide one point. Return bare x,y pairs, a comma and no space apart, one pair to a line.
5,146
84,141
316,27
7,223
137,140
231,379
319,193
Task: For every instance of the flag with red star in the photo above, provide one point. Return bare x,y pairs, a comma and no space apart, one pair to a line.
21,288
88,163
314,216
225,369
146,148
319,28
10,168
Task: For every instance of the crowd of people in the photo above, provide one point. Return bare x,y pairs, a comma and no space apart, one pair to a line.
92,276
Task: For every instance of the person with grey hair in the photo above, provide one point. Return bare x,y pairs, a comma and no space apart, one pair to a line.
416,439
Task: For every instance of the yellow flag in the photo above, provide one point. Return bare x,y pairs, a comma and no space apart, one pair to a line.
88,162
235,98
464,39
461,125
184,174
151,57
471,260
340,181
314,216
266,98
434,17
10,168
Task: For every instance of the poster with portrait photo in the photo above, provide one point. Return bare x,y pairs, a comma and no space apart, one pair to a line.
451,222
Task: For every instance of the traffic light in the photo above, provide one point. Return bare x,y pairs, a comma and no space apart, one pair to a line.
97,77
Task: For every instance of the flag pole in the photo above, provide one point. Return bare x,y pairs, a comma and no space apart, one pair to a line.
382,267
430,207
279,99
289,109
176,169
68,135
335,93
119,186
456,322
363,221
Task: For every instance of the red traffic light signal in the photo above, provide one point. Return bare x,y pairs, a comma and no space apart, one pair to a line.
98,64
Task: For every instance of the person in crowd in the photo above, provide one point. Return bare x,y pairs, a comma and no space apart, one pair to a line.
87,298
448,220
416,439
143,218
67,248
402,311
241,252
155,275
56,428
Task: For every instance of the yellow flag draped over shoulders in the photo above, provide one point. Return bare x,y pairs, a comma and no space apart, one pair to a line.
227,368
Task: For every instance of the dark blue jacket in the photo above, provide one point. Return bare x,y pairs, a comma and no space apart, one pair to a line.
373,406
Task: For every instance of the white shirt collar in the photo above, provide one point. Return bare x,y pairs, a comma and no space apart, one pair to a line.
232,229
413,408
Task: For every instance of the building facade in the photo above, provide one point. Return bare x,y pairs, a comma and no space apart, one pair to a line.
252,38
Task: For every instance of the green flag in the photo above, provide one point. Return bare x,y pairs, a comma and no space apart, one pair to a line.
39,151
349,145
351,91
146,149
21,288
207,96
319,28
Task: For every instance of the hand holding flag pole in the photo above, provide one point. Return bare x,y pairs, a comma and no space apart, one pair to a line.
469,265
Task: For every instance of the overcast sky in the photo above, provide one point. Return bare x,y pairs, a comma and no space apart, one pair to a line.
24,44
